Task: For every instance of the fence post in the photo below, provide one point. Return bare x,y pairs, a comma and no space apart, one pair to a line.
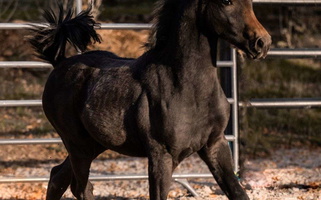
78,6
228,78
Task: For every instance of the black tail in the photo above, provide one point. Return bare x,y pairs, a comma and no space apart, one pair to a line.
50,41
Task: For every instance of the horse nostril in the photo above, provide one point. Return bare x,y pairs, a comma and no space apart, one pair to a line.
259,44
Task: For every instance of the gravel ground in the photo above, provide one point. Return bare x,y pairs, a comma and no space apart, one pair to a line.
287,175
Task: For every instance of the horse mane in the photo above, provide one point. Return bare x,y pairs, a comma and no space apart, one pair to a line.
167,20
167,14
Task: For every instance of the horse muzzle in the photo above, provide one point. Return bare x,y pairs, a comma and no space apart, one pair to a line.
259,47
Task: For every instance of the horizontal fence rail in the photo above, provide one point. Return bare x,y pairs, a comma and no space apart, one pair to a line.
114,26
30,141
106,177
295,53
283,103
24,64
229,138
259,103
284,53
20,103
180,178
37,64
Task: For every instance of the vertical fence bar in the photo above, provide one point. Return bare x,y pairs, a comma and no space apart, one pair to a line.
235,117
228,78
78,6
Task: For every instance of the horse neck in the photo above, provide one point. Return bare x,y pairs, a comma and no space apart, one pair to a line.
180,42
196,51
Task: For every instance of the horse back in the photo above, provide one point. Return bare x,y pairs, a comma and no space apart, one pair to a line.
98,59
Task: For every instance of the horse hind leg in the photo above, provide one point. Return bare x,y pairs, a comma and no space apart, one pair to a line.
74,171
60,179
81,157
81,187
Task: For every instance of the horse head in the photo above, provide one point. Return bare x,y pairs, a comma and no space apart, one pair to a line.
235,21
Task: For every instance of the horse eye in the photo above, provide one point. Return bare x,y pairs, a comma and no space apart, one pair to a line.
227,2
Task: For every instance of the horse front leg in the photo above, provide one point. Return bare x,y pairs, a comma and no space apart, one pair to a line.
160,169
217,155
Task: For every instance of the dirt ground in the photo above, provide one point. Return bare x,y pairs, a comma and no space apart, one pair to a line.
288,174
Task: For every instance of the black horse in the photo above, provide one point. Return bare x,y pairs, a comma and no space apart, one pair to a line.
165,105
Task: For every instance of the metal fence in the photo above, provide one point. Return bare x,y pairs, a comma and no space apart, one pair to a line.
232,137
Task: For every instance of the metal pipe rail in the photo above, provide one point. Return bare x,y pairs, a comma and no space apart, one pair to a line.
17,103
179,178
295,53
24,64
37,64
114,26
260,103
284,53
42,141
283,103
104,178
30,141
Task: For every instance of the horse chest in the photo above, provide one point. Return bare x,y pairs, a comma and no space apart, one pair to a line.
183,110
183,122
